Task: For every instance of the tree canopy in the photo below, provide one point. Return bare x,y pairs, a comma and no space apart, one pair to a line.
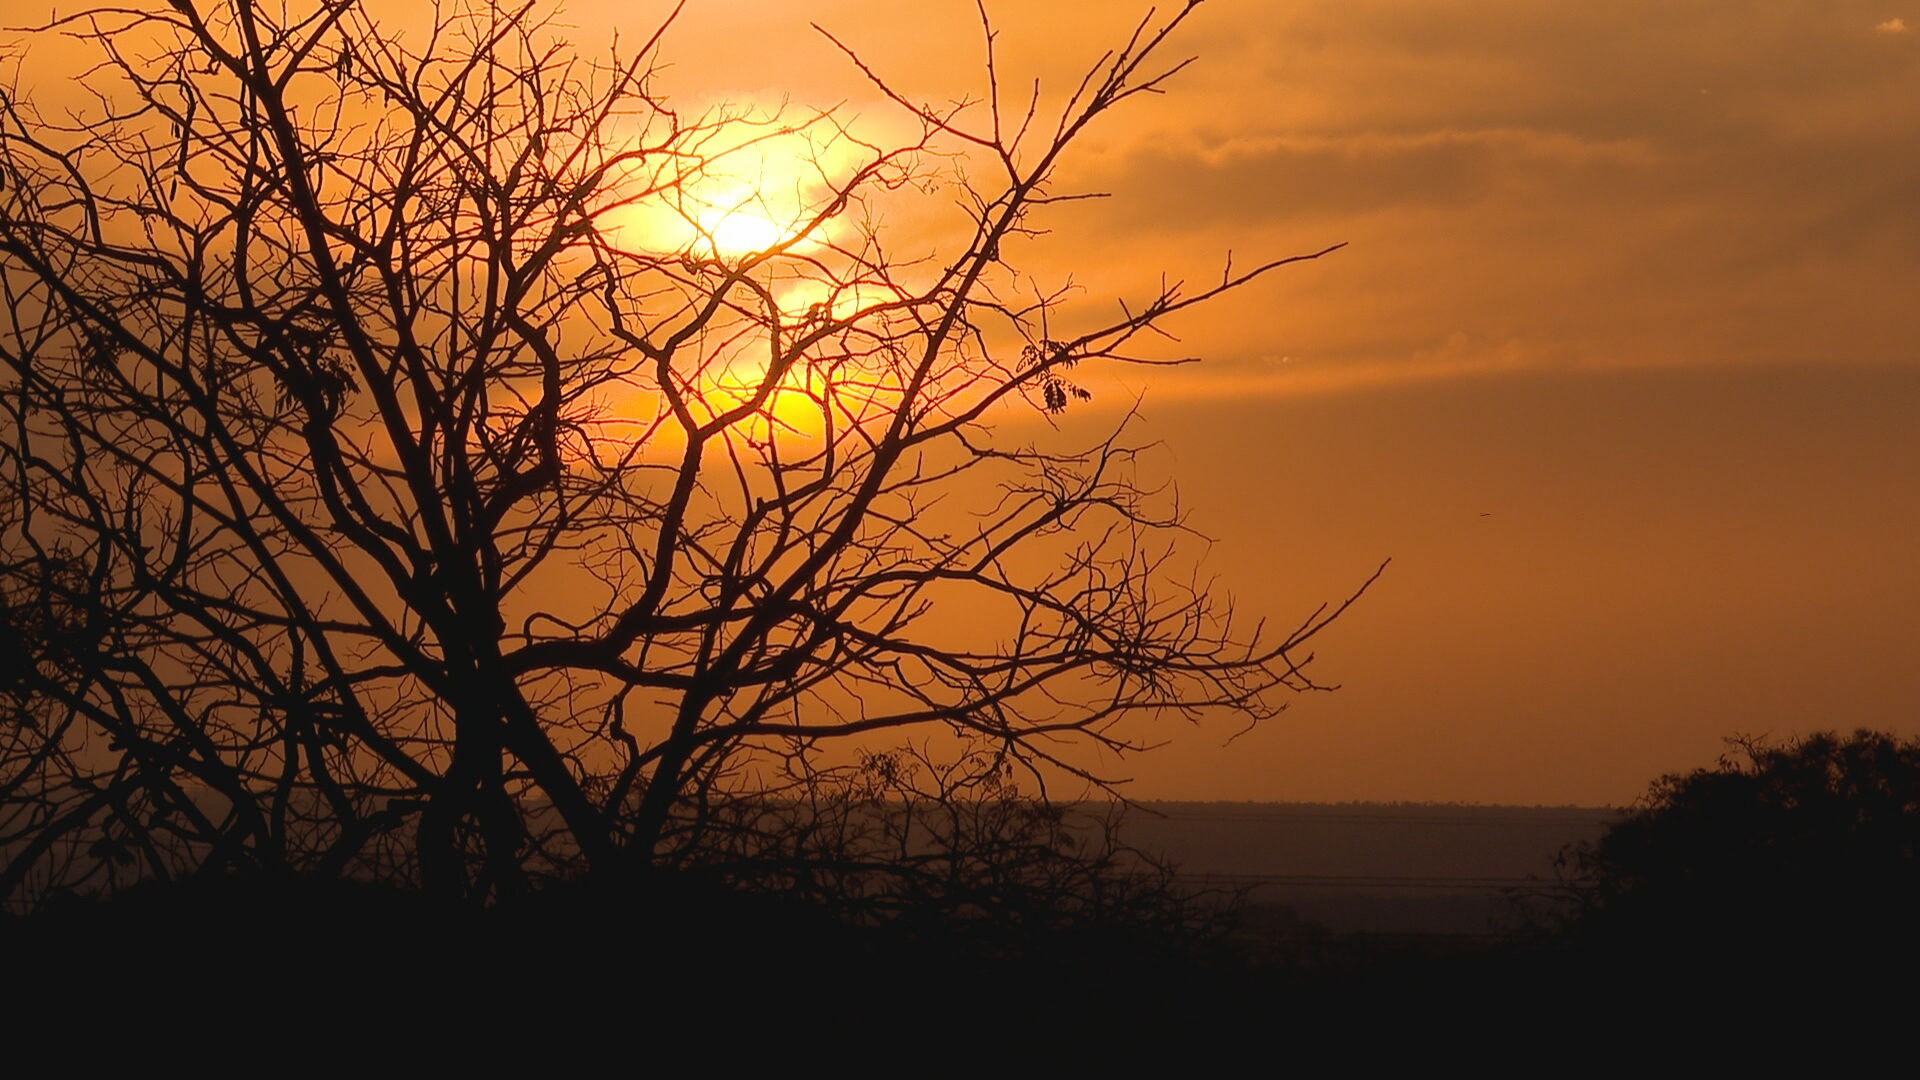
425,459
1808,847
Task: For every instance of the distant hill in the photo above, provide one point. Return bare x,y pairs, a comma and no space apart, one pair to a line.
1381,867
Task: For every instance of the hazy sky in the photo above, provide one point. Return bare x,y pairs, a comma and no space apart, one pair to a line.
1621,367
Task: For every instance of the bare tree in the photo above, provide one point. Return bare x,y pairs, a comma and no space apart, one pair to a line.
425,459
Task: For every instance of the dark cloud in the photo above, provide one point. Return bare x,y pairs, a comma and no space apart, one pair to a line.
1635,183
1178,184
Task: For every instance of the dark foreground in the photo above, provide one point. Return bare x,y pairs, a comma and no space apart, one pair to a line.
224,970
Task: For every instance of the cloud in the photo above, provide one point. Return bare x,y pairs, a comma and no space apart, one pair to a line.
1525,187
1178,184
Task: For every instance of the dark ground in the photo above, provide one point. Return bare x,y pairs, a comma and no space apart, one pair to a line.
362,974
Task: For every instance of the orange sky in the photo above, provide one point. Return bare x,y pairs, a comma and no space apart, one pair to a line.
1621,368
1635,280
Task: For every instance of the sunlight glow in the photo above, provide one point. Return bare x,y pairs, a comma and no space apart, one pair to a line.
739,201
734,204
739,224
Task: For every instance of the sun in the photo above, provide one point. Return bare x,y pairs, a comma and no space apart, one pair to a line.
732,205
747,184
740,223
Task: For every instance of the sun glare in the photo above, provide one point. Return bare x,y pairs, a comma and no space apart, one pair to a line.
737,202
733,205
741,224
791,411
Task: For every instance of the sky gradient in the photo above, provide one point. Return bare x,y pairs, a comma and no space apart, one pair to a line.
1621,366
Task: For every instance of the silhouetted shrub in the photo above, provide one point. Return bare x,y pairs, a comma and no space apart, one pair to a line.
1799,852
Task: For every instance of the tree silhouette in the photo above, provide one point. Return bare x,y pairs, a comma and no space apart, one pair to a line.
428,460
1784,853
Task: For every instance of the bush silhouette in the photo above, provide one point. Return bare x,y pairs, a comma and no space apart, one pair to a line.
1803,851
